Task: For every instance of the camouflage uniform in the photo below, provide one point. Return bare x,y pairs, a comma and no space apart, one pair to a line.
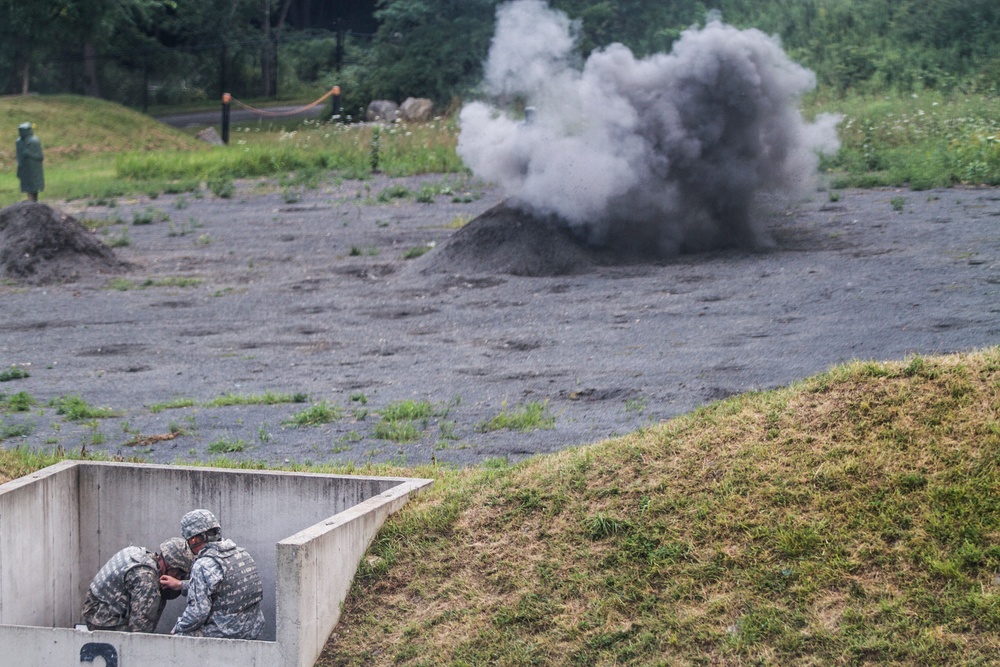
224,595
125,593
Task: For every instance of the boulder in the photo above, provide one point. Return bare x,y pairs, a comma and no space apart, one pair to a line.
382,110
416,109
210,136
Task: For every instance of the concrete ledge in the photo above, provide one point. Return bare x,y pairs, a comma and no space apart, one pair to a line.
307,533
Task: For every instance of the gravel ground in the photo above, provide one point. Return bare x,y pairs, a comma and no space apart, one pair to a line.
314,298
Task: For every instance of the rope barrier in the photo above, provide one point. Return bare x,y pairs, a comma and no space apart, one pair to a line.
275,114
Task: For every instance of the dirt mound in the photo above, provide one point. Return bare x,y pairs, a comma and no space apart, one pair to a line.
507,240
39,245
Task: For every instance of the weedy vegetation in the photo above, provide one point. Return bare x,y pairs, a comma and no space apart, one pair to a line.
316,414
267,398
74,408
527,417
921,140
14,373
227,446
124,284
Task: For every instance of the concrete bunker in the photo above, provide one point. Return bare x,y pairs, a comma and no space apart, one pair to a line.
307,533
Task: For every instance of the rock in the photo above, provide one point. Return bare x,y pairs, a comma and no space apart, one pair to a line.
416,109
210,136
39,245
507,240
382,110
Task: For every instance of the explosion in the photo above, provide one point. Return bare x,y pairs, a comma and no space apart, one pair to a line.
654,156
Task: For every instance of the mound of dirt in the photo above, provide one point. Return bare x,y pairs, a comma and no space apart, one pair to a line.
39,245
507,240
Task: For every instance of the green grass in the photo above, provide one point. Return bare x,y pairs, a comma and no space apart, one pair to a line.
81,138
13,373
149,215
15,430
417,251
19,402
921,141
100,151
404,421
174,404
407,410
316,414
267,398
74,408
527,417
124,284
227,446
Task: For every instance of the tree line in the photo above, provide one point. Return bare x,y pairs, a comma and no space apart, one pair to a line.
185,50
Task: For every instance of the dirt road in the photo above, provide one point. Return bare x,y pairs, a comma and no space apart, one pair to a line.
259,293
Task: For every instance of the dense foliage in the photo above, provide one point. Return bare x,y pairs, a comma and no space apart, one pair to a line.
168,51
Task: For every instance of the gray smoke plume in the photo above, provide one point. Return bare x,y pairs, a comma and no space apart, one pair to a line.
665,154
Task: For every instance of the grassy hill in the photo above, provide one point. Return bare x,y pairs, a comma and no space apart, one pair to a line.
71,126
850,519
81,136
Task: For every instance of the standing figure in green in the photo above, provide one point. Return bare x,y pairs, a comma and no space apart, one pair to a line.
29,162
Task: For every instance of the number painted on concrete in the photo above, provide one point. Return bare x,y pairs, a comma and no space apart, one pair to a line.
98,650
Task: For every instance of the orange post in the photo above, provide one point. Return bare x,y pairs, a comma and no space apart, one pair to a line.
226,98
336,104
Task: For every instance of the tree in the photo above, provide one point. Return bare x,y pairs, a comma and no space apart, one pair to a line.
24,27
430,48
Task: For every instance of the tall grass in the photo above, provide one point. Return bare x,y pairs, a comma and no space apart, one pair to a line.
101,151
920,141
404,150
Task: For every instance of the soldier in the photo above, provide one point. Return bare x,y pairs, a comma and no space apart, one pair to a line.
29,162
126,594
225,589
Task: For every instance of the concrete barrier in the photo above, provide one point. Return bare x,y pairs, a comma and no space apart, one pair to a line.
307,533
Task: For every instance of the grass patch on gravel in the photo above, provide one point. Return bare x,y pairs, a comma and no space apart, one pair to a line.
267,398
124,284
75,408
527,417
316,414
14,373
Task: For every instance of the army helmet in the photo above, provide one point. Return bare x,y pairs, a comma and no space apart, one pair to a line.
197,522
176,553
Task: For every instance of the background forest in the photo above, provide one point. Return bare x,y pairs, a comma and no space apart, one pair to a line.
168,52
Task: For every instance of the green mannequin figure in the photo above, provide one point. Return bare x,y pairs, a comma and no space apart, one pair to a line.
29,162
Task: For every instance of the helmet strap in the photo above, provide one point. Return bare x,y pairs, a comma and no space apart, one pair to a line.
196,542
161,563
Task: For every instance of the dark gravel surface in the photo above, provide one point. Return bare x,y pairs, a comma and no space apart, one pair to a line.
315,298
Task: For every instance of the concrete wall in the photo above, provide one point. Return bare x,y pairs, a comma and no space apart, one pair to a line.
39,544
307,533
304,583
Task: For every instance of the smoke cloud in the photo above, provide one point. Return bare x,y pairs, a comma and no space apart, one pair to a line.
660,155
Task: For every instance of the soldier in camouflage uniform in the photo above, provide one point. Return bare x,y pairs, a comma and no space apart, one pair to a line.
126,594
225,589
